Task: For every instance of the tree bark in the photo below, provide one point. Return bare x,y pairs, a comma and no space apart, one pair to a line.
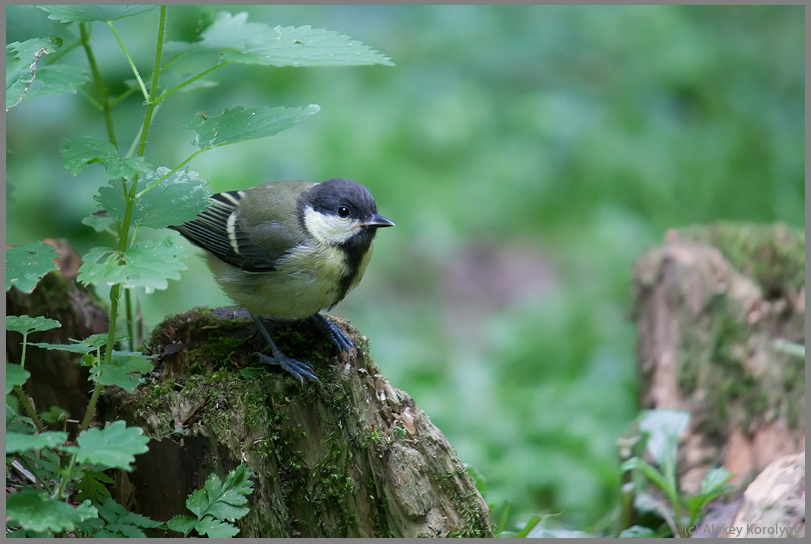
354,457
715,308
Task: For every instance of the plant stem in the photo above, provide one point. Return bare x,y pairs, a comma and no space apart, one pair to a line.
151,103
29,408
100,89
94,398
27,465
175,169
201,75
25,345
129,60
66,476
128,311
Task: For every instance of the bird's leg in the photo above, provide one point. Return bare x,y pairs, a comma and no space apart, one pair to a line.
336,336
296,368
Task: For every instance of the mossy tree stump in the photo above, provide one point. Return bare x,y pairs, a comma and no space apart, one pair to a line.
354,457
715,309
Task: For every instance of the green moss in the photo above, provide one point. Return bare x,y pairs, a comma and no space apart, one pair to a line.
378,513
464,504
772,255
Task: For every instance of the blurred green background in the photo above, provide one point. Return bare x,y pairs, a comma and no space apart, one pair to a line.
528,154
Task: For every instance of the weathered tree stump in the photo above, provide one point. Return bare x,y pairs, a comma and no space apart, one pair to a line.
354,457
774,504
715,308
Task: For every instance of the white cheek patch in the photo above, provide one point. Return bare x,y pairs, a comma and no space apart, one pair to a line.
329,229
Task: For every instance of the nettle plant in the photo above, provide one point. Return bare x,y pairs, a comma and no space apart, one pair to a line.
59,484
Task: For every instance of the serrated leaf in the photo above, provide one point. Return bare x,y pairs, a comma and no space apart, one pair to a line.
58,79
256,43
28,264
124,370
15,375
113,447
92,486
213,528
238,485
148,264
16,442
181,524
86,14
72,348
78,153
24,324
223,511
238,124
121,522
664,428
175,200
219,500
36,511
21,66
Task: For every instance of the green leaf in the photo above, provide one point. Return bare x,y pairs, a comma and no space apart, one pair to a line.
58,79
113,447
100,339
121,522
72,348
124,370
24,324
213,528
715,479
148,264
26,265
713,486
92,486
256,43
55,416
15,375
99,223
78,153
239,124
650,472
218,502
36,511
664,428
16,442
21,66
175,200
86,14
533,521
182,524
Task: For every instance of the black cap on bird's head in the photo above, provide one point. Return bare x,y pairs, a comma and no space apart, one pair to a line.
344,209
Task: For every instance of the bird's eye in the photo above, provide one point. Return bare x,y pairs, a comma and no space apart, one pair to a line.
343,211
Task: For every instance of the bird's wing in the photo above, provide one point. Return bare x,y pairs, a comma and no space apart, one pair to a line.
217,231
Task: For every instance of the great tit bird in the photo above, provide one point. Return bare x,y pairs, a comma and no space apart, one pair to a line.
289,250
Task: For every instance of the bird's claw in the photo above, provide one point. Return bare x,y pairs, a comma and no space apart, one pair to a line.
336,336
298,369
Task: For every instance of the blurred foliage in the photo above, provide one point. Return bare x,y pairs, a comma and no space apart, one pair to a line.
528,154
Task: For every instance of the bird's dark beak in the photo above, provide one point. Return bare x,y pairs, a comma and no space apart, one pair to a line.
378,221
